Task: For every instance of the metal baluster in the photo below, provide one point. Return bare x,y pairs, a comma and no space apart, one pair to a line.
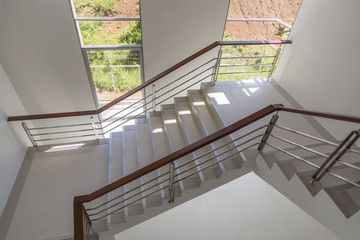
94,127
28,133
336,155
217,66
153,98
268,131
112,74
171,184
277,55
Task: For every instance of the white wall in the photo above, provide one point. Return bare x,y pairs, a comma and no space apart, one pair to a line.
321,68
173,30
246,208
41,54
12,151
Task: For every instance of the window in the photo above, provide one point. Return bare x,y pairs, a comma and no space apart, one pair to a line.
110,36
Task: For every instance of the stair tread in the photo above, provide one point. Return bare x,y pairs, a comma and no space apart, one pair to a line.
211,123
177,141
131,164
193,132
146,157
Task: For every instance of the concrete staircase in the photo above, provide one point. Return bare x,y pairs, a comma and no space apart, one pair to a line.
190,119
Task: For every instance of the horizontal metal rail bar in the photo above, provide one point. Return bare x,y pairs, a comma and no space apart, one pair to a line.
189,73
182,83
300,146
129,191
127,114
115,66
62,126
127,107
217,148
53,139
116,210
307,135
215,163
110,47
252,19
105,19
349,165
132,117
128,198
284,23
313,165
247,57
242,72
158,103
293,155
73,131
245,65
220,154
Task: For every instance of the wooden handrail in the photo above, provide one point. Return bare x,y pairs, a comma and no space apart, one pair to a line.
147,83
207,140
79,200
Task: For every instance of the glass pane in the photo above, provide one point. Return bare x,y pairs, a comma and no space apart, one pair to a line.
249,31
285,10
107,8
114,73
110,32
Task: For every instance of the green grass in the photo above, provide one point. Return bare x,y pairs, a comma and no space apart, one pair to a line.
251,51
98,33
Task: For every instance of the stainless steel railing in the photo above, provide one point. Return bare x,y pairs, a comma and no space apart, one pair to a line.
98,126
327,159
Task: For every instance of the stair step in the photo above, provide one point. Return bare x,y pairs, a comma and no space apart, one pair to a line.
116,173
161,147
130,165
344,198
146,156
354,193
211,122
193,133
176,137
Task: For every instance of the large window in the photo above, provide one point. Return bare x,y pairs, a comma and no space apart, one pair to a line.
110,36
260,19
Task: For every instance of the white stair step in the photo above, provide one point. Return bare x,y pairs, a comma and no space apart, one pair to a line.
193,132
342,195
161,147
130,165
354,193
116,173
176,136
146,156
212,122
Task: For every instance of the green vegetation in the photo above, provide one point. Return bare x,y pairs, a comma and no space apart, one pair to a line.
249,51
98,8
110,33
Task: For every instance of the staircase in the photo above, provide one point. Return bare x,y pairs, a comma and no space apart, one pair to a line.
189,120
177,125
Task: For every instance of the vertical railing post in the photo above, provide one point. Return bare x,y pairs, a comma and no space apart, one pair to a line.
171,183
28,133
153,98
94,127
217,66
112,74
344,146
277,55
268,131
